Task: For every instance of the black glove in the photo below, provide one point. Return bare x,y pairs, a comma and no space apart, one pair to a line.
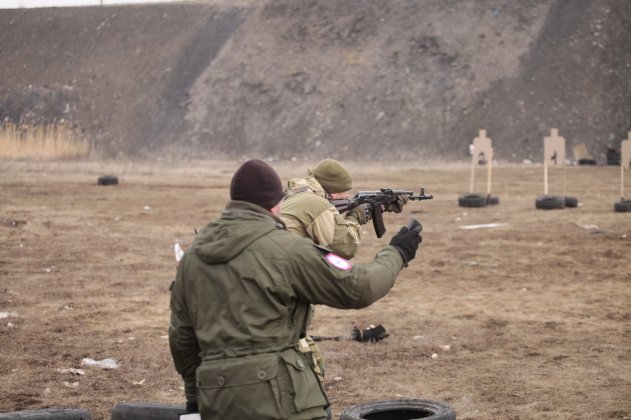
408,240
361,213
397,205
191,407
370,334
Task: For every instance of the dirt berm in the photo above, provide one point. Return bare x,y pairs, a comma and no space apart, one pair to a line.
352,79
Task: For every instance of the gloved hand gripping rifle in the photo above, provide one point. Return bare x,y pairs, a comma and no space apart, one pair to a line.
377,201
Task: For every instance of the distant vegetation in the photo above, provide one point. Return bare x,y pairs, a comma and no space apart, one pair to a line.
57,140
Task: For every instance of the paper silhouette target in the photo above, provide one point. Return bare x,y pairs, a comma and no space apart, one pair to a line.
554,149
625,163
482,149
625,152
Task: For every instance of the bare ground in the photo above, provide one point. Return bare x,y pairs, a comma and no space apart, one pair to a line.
535,314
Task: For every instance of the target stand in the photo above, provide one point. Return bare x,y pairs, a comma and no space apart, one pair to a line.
554,155
482,154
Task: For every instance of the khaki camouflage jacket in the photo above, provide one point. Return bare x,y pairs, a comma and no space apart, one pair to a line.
307,212
240,303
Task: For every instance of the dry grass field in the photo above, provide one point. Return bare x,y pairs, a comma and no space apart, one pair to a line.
531,319
51,141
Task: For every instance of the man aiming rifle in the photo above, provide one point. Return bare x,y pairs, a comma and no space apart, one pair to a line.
308,210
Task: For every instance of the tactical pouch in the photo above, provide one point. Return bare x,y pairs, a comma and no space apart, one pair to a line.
303,382
222,384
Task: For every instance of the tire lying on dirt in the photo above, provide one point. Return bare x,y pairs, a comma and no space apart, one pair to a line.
587,161
571,201
472,200
49,414
622,206
147,411
492,200
107,180
550,202
399,410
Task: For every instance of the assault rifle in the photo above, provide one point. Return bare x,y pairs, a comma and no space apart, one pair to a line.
377,201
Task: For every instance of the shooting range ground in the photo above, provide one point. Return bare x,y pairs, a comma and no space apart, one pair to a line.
526,316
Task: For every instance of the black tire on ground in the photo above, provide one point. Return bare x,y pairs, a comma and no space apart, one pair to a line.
472,200
622,206
550,202
108,180
586,161
492,200
49,414
147,411
399,410
571,201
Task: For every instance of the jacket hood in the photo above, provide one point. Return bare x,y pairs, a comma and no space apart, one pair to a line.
308,182
240,224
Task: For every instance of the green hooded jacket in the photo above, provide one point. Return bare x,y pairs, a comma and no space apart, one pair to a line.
240,303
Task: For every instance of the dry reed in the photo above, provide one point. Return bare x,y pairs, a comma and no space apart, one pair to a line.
56,140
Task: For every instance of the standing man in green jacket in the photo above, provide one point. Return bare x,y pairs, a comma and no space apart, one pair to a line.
241,302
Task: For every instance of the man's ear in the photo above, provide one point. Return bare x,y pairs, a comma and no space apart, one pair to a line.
277,208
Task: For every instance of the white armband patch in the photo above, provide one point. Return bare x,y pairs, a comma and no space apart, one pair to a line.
338,262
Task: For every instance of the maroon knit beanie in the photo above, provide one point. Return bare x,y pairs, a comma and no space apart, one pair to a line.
256,182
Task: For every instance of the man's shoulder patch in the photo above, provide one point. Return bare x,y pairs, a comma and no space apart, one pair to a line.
338,262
